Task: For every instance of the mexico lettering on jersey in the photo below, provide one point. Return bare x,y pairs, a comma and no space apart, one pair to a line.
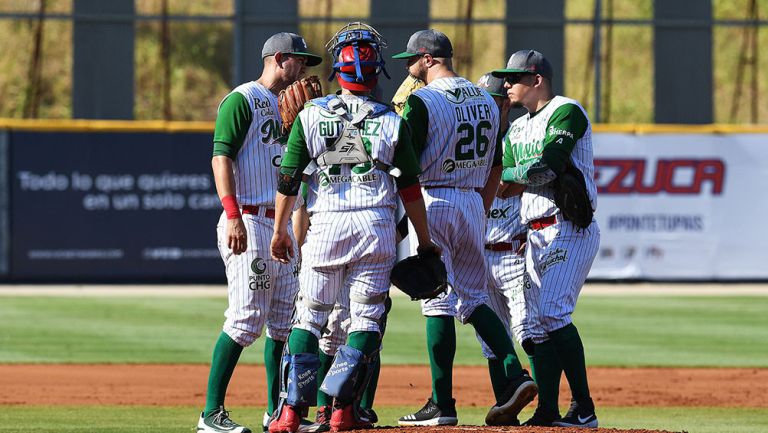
344,186
256,160
525,142
462,123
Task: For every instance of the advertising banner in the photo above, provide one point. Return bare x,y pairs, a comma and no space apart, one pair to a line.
681,206
113,206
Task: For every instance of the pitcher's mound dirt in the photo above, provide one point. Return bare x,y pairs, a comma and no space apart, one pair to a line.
166,385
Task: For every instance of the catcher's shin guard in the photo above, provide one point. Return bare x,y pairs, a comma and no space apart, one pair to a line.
298,381
348,376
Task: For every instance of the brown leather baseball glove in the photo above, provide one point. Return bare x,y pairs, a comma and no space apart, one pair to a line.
291,100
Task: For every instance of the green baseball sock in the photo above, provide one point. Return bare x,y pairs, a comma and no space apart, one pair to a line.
302,341
364,341
273,351
323,399
570,352
366,402
226,353
441,346
493,332
498,378
548,370
532,365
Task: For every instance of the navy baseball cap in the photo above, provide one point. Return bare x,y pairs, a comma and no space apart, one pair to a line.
432,42
492,85
526,61
289,43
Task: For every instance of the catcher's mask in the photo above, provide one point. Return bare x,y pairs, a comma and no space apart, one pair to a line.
357,49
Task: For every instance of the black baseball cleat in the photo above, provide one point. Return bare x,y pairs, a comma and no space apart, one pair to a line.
542,418
431,415
581,414
518,394
218,422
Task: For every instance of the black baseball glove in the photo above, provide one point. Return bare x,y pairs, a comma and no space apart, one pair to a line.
421,276
572,198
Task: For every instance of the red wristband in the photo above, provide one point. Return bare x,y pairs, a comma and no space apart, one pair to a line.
410,193
230,206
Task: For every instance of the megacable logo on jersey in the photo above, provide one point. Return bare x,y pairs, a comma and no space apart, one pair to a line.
449,166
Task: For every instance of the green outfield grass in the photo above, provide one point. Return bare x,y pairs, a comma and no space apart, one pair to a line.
145,419
617,331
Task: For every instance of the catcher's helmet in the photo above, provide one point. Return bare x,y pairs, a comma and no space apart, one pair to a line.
357,50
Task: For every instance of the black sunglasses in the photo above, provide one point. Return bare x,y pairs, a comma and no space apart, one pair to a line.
517,77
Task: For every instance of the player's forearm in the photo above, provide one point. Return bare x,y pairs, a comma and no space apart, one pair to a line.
223,176
491,186
535,172
283,207
417,213
300,224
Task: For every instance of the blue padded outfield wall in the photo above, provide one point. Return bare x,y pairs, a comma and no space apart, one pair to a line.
127,202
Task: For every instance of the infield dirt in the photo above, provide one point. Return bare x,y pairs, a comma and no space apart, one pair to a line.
173,385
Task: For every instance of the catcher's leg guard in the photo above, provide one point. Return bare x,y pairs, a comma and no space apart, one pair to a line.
348,375
298,382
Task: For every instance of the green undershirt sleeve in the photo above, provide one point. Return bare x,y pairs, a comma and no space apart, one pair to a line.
416,116
405,158
232,124
296,155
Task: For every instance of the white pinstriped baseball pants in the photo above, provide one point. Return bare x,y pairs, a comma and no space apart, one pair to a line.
261,291
457,224
352,250
558,259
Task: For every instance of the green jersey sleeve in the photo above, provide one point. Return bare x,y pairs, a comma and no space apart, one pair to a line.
405,158
416,115
296,155
232,125
565,127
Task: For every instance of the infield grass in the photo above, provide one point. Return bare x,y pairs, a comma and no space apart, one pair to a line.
646,330
149,419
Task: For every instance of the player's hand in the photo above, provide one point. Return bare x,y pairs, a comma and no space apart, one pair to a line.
281,248
521,248
237,240
428,247
507,190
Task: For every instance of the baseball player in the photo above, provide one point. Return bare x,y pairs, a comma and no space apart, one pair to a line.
539,146
246,154
354,150
454,126
504,256
333,336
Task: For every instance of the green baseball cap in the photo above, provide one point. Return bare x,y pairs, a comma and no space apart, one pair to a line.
526,61
432,42
289,43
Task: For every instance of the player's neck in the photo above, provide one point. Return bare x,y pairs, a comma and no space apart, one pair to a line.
272,83
437,72
537,104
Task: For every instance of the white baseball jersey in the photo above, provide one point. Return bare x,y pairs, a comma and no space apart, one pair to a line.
258,160
525,141
461,133
261,291
347,187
